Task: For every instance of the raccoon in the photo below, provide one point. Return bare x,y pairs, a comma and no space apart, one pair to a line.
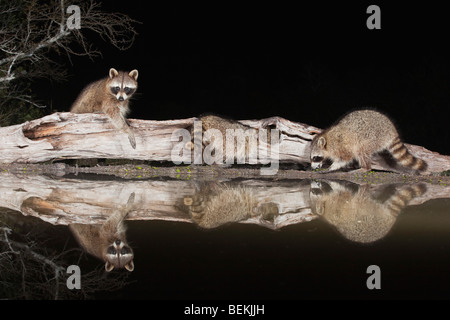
215,204
108,241
245,136
110,95
354,140
359,214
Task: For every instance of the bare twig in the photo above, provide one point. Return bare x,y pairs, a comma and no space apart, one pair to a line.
30,29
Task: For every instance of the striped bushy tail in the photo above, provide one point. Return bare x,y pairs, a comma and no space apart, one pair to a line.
404,158
401,198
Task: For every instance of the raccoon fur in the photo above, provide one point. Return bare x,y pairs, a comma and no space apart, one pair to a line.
111,96
354,140
357,213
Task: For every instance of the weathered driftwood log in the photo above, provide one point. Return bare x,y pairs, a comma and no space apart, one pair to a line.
87,136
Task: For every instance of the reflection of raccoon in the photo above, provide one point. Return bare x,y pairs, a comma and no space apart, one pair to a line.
108,241
358,214
216,204
356,138
242,132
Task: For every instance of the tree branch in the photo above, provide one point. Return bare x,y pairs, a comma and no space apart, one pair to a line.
29,30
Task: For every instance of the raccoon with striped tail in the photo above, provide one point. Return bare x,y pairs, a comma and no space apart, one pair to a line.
356,139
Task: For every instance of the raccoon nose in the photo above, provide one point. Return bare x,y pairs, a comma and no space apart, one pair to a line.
117,242
121,98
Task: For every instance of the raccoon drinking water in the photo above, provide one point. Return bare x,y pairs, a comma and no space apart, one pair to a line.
356,138
110,95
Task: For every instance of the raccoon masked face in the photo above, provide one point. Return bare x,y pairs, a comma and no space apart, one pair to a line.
122,85
319,154
119,255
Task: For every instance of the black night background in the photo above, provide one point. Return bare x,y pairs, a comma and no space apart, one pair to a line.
309,63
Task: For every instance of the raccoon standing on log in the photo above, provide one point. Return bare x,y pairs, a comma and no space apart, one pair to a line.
111,96
355,139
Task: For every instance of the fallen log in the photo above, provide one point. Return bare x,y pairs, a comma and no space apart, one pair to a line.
92,136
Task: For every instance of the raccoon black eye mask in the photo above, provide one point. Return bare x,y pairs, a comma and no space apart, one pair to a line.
356,138
111,96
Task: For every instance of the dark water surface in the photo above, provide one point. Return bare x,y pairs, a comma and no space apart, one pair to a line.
303,261
312,259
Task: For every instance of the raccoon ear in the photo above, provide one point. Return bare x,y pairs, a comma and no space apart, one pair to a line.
321,142
108,266
130,266
134,74
113,73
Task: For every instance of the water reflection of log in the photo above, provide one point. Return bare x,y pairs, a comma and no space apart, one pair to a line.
272,204
66,201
